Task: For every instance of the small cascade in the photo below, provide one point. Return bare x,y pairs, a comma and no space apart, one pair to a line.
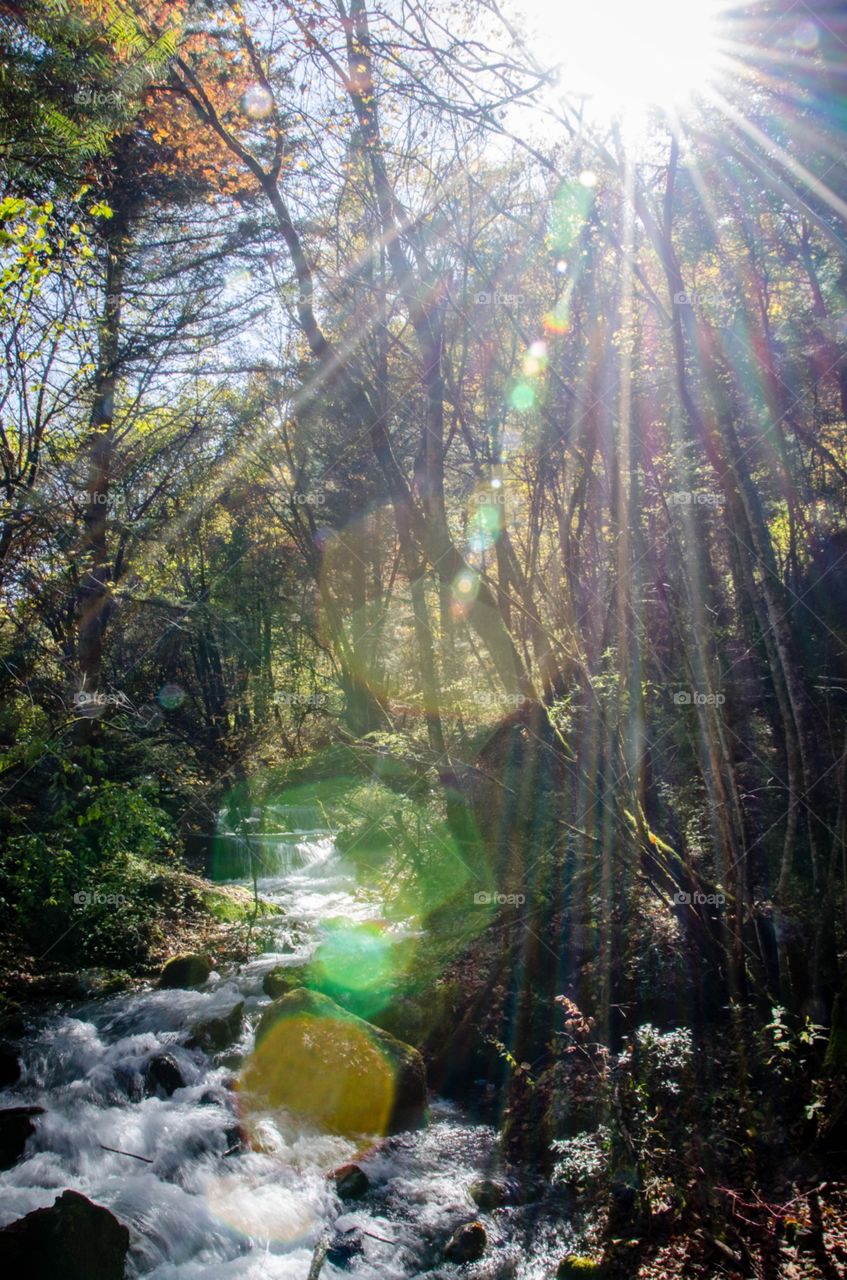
238,855
143,1120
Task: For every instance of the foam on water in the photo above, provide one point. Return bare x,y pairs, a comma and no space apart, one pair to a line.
196,1204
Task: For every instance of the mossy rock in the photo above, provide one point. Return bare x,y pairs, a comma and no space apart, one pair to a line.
345,1075
186,971
578,1266
467,1243
236,905
104,982
219,1030
284,978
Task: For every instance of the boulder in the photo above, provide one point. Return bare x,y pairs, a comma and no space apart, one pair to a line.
467,1243
344,1247
16,1126
220,1030
234,1140
578,1266
185,972
314,1058
74,1239
351,1182
103,982
216,1097
284,978
492,1193
164,1072
10,1064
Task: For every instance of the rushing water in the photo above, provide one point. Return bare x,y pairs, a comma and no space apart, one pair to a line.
197,1203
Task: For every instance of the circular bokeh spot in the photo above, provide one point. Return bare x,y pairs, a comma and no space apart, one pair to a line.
523,397
170,696
324,1068
256,102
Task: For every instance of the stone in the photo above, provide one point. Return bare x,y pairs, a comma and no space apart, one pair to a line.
220,1030
351,1182
16,1126
491,1193
318,1060
73,1238
279,981
185,972
578,1266
164,1072
234,1140
344,1247
467,1243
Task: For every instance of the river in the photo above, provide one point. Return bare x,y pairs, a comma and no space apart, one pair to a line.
198,1202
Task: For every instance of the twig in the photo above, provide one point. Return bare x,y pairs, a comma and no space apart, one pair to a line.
117,1151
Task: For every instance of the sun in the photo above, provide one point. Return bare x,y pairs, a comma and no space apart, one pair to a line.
625,56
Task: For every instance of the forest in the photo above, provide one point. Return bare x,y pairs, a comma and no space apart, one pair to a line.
423,639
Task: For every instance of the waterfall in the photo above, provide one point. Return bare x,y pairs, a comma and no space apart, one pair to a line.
270,853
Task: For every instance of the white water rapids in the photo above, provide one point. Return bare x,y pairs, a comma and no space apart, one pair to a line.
196,1207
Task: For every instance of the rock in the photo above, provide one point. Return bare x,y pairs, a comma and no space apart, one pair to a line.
467,1243
580,1267
216,1097
220,1030
103,982
16,1126
185,971
491,1193
351,1182
284,978
314,1058
234,1139
10,1064
279,981
74,1239
164,1072
345,1246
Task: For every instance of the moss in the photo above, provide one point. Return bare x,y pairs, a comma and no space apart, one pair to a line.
578,1266
235,905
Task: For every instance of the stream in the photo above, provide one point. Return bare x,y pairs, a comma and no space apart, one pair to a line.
200,1204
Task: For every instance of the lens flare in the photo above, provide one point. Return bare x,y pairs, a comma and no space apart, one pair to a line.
321,1065
523,397
256,102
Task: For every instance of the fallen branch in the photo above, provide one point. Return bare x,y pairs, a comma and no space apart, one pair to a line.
318,1258
117,1151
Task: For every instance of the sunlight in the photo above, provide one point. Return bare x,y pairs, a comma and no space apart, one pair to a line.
623,57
